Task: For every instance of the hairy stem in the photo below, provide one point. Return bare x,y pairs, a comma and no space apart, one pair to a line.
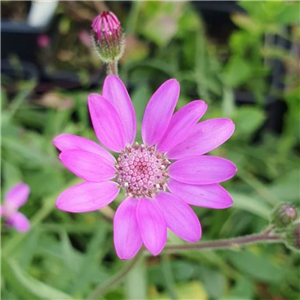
227,243
265,236
112,68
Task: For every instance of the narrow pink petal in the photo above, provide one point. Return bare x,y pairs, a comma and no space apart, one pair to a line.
87,165
182,122
116,93
202,169
18,194
87,196
207,136
20,222
127,237
65,142
211,195
180,218
152,225
159,112
107,123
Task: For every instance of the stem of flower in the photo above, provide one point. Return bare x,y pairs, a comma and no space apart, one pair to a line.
265,236
135,283
262,237
102,288
112,68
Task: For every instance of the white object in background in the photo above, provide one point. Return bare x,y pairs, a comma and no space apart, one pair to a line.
41,13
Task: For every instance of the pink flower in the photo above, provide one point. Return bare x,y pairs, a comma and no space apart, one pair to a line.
16,197
160,177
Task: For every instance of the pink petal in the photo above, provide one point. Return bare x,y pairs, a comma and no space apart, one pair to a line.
20,222
127,237
107,123
116,93
18,194
87,196
152,226
207,136
202,170
182,121
211,195
159,112
74,142
180,218
87,165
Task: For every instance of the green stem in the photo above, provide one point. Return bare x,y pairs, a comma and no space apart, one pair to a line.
168,277
132,18
264,236
136,281
102,288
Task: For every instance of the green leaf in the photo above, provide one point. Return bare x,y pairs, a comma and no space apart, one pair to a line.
251,204
286,187
243,288
68,253
214,282
140,98
290,13
257,267
247,120
236,72
28,286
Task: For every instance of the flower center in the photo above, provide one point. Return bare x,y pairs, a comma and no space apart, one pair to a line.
142,171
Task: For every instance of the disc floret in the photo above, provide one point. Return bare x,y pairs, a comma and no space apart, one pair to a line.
142,171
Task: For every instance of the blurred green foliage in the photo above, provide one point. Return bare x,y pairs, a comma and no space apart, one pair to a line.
65,256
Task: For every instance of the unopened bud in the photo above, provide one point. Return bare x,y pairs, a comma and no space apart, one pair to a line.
283,215
292,239
108,37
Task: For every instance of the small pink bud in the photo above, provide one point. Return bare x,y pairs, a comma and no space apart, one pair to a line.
283,215
108,37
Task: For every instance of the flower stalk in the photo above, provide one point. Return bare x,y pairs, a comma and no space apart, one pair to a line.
112,68
102,288
263,237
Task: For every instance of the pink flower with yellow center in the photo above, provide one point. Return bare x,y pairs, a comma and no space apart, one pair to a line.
160,177
16,197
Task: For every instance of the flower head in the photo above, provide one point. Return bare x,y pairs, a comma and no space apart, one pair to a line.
160,177
108,37
16,197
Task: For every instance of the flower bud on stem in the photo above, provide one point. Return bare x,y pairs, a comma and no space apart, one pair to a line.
283,215
109,41
292,239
